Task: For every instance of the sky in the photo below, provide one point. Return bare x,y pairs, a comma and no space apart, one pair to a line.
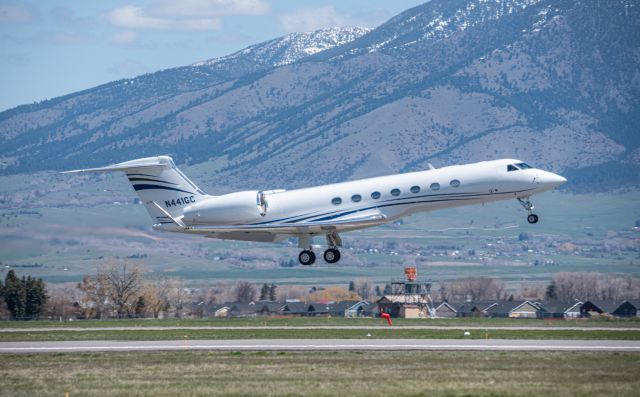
50,48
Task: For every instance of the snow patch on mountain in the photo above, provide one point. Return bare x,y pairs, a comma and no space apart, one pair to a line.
292,47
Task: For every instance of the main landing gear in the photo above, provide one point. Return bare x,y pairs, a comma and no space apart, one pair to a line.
528,205
331,255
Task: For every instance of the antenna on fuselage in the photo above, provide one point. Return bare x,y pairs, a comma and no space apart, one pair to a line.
431,167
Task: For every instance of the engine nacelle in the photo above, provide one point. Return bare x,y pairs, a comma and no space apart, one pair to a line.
229,209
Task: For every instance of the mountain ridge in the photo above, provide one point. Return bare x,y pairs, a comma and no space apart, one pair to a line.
556,83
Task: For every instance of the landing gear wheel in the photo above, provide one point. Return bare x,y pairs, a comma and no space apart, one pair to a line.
307,257
331,255
532,218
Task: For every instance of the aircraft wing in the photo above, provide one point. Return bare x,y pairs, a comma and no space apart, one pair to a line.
300,227
349,222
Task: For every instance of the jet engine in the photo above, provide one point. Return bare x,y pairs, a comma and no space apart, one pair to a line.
229,209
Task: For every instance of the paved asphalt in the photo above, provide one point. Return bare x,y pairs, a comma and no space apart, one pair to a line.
324,344
361,327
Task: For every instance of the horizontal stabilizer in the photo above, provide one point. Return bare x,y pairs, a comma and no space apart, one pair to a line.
149,162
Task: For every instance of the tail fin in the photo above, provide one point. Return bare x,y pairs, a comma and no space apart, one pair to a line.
158,180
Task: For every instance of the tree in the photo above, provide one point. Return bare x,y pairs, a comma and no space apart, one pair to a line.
14,295
273,289
352,286
141,307
387,289
245,292
264,292
35,297
550,293
25,298
378,291
363,288
123,284
94,295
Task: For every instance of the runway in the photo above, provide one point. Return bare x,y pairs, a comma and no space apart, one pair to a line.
324,345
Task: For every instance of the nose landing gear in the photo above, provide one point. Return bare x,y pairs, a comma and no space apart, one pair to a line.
528,205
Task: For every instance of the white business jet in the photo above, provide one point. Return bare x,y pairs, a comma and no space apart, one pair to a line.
177,205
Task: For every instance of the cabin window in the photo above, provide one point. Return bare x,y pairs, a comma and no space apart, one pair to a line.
415,189
524,166
454,183
395,192
435,186
336,201
375,195
512,167
356,198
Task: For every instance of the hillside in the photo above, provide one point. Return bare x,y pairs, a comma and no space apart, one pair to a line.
555,83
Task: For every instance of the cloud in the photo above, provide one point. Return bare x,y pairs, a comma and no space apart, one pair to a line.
314,19
183,14
16,14
217,8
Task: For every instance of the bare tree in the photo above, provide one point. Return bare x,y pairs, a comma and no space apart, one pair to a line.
124,282
245,292
94,296
363,288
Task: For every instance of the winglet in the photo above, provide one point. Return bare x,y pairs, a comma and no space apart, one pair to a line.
178,222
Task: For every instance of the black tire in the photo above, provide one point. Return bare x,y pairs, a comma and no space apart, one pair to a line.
331,255
307,257
532,218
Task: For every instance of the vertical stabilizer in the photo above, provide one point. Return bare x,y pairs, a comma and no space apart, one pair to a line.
158,180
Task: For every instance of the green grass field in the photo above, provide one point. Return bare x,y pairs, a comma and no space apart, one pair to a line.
321,374
326,321
293,333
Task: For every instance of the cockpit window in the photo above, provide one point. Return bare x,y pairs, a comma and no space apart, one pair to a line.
524,166
512,167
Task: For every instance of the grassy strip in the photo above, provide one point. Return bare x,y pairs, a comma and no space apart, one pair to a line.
305,321
321,374
143,334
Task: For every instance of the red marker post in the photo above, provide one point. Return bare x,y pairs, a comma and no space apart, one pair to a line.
387,316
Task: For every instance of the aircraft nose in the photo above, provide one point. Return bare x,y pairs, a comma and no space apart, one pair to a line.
550,179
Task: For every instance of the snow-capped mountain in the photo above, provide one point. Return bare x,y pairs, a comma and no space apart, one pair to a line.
553,82
292,47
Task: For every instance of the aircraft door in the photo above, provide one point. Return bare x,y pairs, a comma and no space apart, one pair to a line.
263,202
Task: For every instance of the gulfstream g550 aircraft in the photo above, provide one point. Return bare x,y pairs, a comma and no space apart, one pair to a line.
177,205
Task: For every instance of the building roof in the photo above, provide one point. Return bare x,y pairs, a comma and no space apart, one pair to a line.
559,306
295,308
445,305
479,306
606,306
403,299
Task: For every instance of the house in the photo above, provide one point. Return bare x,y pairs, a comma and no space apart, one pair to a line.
318,309
268,308
404,306
356,309
295,309
222,311
636,304
608,307
443,309
475,309
526,309
243,310
370,310
557,309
